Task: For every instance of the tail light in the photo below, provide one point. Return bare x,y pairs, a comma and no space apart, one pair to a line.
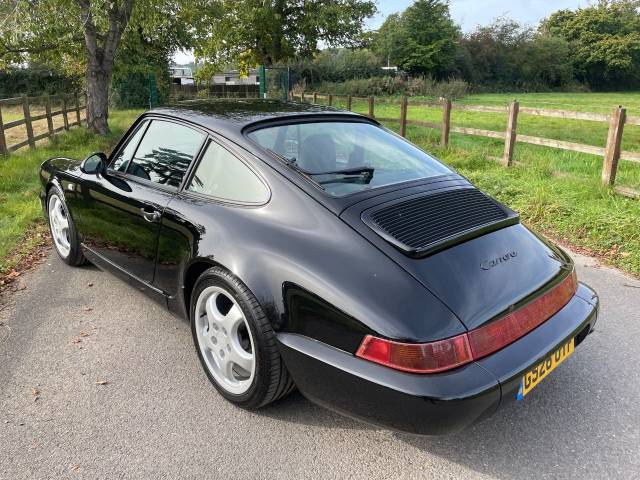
442,355
417,357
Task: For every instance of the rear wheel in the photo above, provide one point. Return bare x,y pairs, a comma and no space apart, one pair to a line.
63,231
235,342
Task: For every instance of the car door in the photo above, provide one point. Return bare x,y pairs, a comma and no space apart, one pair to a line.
121,211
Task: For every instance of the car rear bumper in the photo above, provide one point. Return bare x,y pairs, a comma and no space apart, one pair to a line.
430,404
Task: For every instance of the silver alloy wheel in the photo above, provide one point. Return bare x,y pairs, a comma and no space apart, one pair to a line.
225,340
59,226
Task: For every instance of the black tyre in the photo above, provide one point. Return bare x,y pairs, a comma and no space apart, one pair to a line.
63,231
235,342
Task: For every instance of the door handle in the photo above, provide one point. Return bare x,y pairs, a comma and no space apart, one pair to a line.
151,215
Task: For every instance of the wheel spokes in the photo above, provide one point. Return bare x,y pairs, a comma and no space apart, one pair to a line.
225,340
240,357
59,225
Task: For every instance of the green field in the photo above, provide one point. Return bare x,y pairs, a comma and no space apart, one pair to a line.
556,192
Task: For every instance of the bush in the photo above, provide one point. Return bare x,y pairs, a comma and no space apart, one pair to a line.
132,89
35,81
383,86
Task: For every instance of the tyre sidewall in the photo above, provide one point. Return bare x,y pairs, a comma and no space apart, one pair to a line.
75,256
253,397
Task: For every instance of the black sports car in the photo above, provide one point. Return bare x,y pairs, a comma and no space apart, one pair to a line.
312,247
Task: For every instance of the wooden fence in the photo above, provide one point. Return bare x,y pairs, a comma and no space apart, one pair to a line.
611,152
70,106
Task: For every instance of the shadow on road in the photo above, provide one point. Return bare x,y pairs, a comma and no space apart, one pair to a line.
295,408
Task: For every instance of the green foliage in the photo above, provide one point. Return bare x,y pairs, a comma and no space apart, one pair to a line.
93,39
508,56
420,40
604,41
33,81
395,85
267,32
336,65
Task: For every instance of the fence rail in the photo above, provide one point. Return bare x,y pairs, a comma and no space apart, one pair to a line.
70,103
611,152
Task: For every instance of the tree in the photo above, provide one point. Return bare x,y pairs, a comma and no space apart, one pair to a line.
508,55
271,31
604,40
85,35
420,40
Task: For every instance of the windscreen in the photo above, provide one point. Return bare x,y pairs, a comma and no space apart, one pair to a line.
347,157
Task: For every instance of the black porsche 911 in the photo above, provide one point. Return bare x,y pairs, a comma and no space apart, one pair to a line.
312,248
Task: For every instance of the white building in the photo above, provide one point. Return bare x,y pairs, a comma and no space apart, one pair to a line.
232,77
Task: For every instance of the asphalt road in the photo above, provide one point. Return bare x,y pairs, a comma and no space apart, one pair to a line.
158,417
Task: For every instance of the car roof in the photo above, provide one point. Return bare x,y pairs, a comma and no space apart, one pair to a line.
230,117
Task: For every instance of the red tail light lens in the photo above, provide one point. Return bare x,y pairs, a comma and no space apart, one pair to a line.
500,333
417,357
456,351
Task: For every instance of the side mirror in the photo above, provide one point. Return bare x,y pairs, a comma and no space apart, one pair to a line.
94,163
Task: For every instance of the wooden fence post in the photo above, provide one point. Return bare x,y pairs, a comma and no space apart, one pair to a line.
77,108
315,97
511,133
64,112
302,96
403,117
349,102
47,108
330,100
446,122
3,140
612,151
371,112
27,121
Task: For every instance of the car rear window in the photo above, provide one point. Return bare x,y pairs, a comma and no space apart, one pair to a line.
347,157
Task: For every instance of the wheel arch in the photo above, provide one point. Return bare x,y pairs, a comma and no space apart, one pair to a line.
192,272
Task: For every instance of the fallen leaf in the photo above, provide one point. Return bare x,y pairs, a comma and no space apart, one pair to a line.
84,334
35,392
87,309
75,467
90,284
101,382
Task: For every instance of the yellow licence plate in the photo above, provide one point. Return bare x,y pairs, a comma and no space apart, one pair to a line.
534,376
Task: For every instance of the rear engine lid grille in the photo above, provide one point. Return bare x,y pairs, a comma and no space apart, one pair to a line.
424,224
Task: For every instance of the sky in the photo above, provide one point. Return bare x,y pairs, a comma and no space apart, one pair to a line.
467,13
471,13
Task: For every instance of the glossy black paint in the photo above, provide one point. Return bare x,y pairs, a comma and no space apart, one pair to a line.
323,277
430,404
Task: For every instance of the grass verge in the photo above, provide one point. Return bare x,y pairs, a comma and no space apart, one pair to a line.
20,210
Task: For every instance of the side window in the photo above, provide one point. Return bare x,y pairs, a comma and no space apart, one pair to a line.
165,152
222,175
121,160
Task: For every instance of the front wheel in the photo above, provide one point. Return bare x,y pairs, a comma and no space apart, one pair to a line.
235,342
63,231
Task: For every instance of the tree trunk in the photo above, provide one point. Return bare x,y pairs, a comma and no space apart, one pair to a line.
101,52
97,99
